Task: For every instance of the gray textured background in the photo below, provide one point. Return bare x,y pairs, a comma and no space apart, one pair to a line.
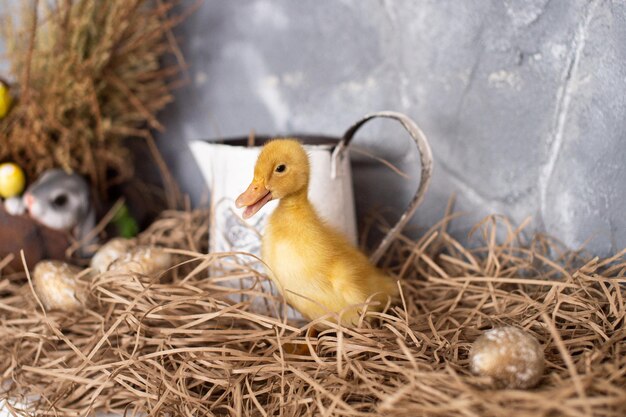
523,101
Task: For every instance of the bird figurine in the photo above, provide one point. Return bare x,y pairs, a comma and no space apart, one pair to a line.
21,233
315,267
5,99
61,201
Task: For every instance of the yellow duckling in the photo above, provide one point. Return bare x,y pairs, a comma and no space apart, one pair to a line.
5,99
315,267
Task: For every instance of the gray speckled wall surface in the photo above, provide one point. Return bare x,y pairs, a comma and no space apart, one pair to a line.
523,101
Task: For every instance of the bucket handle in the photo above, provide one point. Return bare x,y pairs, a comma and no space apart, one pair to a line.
426,160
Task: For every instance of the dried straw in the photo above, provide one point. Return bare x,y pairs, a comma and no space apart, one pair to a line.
90,75
177,345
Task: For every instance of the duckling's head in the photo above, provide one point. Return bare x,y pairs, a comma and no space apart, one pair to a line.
281,170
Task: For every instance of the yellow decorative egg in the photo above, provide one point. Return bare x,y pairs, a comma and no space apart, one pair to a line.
5,100
12,180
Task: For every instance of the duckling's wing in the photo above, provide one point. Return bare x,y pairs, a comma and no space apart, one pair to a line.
371,287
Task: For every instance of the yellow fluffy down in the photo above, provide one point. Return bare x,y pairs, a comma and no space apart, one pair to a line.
316,268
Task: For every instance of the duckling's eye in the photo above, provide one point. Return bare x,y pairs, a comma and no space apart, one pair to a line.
60,200
281,168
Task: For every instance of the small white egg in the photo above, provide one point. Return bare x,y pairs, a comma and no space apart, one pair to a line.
510,356
57,287
144,260
111,251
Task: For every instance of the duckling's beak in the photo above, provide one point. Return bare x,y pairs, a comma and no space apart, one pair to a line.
255,197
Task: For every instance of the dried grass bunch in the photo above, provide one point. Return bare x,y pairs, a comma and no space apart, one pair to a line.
189,344
89,75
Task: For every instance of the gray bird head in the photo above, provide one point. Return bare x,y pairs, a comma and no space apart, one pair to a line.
58,200
61,201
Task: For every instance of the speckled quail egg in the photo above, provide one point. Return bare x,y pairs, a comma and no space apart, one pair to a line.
57,287
143,260
111,251
510,356
12,180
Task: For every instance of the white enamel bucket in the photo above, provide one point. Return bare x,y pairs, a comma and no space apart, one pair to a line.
228,169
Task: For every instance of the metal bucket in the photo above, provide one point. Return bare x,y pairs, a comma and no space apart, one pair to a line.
228,167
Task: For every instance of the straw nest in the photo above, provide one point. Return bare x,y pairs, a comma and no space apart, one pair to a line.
89,74
188,343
